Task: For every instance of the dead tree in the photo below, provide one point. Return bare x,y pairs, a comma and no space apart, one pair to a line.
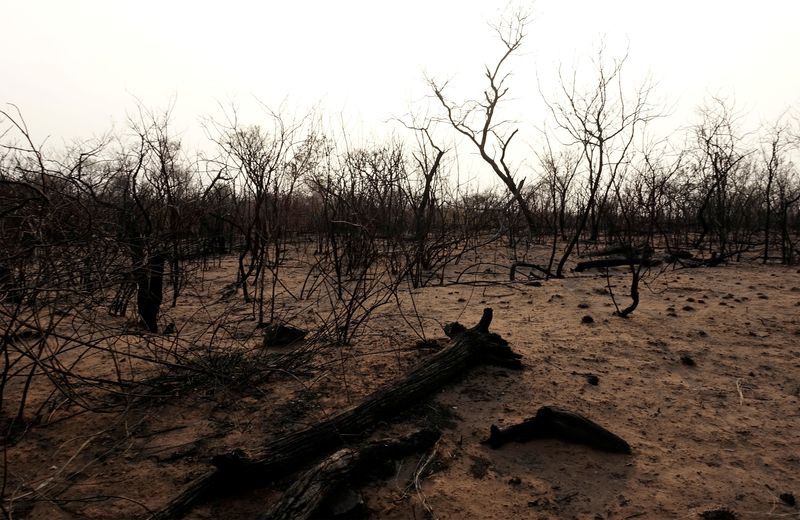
150,282
477,119
423,204
601,124
560,170
774,164
719,158
283,456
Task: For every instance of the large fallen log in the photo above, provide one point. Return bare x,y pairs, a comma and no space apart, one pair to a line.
615,262
309,490
625,250
689,261
551,422
285,455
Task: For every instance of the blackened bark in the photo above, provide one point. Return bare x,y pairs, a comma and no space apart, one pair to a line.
150,291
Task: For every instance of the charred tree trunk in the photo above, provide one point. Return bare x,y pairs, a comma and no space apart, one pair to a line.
150,291
635,278
283,456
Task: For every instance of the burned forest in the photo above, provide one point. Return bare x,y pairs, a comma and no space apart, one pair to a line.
287,321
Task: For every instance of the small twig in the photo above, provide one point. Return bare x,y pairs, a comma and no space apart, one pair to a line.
739,390
567,497
418,486
159,432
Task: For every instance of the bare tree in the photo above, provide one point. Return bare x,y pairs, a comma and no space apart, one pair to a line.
478,119
360,211
267,164
601,122
719,155
422,190
640,200
775,148
559,170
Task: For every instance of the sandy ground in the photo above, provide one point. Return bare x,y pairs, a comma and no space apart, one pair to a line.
722,433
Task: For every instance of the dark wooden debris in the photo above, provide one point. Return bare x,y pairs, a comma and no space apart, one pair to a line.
533,267
552,422
626,250
281,335
615,262
347,466
688,260
621,255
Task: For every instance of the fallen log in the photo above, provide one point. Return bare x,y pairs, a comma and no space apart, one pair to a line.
680,254
624,250
615,262
516,265
691,261
552,422
314,486
285,455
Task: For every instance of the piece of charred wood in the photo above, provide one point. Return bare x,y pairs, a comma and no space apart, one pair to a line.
626,250
347,466
552,422
678,255
287,454
534,267
280,335
691,261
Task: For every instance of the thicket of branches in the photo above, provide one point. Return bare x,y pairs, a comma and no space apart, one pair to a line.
123,224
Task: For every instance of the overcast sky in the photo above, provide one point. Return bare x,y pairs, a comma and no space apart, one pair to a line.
75,68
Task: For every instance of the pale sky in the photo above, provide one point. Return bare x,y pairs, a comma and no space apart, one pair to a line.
75,68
